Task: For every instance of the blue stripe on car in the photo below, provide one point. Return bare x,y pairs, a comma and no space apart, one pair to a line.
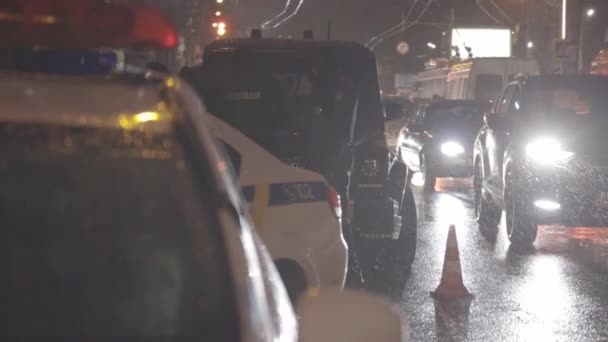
291,193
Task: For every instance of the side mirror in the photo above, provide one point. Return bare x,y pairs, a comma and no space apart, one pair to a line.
347,316
394,111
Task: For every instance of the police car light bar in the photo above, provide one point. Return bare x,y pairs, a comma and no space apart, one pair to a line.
83,24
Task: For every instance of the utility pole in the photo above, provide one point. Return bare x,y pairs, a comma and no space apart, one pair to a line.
452,23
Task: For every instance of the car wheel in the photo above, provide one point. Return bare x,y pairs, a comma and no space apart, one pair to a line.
392,260
521,227
406,244
486,212
293,277
397,180
428,181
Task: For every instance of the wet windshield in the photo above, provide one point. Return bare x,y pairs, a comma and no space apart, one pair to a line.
98,239
464,114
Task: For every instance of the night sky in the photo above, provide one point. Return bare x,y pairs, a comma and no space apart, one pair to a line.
359,20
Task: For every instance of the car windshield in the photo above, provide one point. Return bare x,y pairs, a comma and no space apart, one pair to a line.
457,114
105,237
571,96
286,101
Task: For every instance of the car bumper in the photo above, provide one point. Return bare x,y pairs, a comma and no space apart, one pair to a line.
568,196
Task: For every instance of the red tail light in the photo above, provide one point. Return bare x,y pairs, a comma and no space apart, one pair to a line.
333,199
84,24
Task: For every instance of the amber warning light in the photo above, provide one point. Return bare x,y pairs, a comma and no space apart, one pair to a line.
83,24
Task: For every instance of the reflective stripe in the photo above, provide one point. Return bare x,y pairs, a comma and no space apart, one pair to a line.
289,193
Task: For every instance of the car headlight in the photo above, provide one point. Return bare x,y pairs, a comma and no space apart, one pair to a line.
452,149
547,151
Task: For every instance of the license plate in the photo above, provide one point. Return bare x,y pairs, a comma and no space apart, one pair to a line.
603,199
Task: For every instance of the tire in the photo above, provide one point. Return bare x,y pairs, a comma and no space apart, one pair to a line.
393,259
427,178
293,277
405,250
521,227
397,180
487,213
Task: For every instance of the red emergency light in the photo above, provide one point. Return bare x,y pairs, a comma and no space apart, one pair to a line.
83,24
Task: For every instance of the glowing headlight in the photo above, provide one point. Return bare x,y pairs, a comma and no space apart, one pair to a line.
547,151
452,149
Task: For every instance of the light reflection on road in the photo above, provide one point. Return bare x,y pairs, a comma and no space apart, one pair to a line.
588,245
554,291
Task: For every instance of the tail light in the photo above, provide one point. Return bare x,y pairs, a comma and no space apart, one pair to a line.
333,199
84,24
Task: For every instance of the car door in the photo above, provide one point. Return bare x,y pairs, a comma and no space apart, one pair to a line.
412,139
497,130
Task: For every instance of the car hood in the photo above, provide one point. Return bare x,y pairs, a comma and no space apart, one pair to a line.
583,135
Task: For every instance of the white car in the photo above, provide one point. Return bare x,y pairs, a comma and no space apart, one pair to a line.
295,211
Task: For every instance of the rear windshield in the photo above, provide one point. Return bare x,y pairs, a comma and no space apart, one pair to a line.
104,238
288,98
446,115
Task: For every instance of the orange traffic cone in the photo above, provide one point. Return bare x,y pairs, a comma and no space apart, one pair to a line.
451,285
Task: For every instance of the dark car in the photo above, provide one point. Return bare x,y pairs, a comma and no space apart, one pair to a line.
438,140
316,105
541,154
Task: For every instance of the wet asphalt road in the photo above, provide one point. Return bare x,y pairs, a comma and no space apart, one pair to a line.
556,292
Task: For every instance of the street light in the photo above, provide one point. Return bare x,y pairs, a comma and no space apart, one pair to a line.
586,14
218,13
431,45
530,45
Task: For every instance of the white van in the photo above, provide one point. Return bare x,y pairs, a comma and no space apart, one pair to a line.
484,78
432,83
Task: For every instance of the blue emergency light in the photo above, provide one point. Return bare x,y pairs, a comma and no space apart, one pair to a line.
71,62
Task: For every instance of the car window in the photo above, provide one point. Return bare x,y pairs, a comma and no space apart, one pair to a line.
505,101
515,103
454,114
105,234
418,120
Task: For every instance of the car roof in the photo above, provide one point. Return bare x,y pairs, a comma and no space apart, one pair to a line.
109,101
444,103
554,78
271,44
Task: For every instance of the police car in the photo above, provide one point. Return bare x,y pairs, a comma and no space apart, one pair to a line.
295,211
120,217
